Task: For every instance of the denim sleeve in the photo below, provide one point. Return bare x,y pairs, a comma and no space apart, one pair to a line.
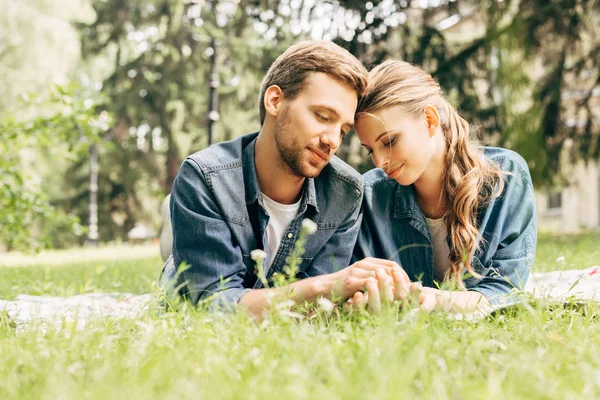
203,240
515,236
367,234
337,252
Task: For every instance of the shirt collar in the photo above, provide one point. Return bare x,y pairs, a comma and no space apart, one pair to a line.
405,203
251,180
249,171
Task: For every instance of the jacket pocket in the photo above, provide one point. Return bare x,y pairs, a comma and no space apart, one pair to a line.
471,280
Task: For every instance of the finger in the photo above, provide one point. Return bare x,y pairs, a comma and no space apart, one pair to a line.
427,300
374,303
356,302
365,269
416,287
401,274
351,285
360,300
372,264
401,286
385,285
382,261
349,304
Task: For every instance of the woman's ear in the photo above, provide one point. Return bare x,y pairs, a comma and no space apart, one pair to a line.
432,118
273,99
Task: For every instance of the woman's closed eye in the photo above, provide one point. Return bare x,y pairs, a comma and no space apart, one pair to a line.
391,142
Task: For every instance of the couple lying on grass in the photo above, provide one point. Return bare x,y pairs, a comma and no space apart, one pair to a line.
437,211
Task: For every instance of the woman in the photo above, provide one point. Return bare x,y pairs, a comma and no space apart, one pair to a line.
453,215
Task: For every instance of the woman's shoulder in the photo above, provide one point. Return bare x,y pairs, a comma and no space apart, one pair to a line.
508,160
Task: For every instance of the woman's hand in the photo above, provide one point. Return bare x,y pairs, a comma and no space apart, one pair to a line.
463,301
387,276
372,298
429,298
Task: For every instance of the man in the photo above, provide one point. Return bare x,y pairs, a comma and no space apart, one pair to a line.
255,191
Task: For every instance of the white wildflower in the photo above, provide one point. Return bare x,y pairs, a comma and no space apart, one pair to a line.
254,353
309,226
75,368
258,255
560,259
497,345
286,304
326,304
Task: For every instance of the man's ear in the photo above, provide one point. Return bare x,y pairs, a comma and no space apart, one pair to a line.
432,118
273,100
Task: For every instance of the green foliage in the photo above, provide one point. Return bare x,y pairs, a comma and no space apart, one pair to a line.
30,219
22,202
522,72
539,351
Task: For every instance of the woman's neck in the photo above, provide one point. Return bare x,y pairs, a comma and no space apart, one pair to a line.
430,197
429,188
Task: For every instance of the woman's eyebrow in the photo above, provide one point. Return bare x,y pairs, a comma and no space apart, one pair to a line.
386,133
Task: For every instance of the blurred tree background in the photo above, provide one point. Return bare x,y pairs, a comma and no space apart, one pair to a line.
123,88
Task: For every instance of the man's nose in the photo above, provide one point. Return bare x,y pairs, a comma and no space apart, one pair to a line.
332,138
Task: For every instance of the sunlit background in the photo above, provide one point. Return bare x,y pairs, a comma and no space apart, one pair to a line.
101,100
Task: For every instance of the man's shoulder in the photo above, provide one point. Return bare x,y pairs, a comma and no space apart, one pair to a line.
340,171
222,155
376,180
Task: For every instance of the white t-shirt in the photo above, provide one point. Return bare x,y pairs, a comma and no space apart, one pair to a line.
441,251
280,217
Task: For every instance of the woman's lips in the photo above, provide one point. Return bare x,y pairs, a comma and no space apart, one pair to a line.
394,173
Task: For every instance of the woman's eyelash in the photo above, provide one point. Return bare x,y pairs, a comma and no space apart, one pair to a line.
391,142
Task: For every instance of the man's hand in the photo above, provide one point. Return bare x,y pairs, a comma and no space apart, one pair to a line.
388,284
371,299
379,280
388,277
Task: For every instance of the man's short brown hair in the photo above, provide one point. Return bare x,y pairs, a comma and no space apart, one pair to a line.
291,69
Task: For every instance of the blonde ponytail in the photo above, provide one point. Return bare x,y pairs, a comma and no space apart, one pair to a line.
470,180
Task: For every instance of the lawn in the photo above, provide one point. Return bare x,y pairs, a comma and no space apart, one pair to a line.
537,353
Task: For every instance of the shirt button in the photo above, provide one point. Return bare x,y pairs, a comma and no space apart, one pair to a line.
290,235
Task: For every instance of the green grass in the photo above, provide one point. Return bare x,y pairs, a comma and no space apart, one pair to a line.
579,251
131,276
536,353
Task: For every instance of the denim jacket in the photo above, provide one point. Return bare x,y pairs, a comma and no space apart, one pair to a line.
394,228
213,194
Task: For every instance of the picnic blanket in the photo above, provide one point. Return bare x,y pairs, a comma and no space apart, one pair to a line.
581,285
80,309
569,284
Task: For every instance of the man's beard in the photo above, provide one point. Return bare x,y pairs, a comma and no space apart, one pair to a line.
292,153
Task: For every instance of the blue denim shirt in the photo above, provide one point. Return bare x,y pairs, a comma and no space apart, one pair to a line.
213,232
394,228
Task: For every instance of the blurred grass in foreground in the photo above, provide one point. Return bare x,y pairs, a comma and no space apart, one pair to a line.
540,352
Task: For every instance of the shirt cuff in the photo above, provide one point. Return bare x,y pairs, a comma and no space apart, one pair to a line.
498,299
227,300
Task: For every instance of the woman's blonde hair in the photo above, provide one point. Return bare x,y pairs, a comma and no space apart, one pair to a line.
470,181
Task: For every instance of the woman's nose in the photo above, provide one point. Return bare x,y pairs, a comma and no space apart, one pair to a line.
378,159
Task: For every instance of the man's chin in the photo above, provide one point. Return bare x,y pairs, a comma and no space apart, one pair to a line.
313,170
309,170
